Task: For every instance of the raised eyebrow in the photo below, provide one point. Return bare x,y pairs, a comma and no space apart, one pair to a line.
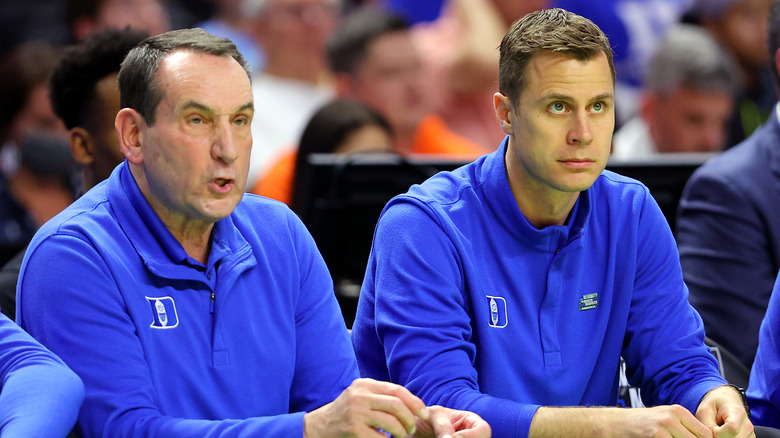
247,106
191,104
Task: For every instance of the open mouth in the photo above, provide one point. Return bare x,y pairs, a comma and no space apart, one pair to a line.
223,185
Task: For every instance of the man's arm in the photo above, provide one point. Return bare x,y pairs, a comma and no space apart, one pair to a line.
763,391
39,395
660,421
70,303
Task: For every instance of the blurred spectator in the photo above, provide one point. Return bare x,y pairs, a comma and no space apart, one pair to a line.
740,27
296,81
687,99
86,16
728,230
31,20
343,126
375,62
229,21
34,171
84,94
459,52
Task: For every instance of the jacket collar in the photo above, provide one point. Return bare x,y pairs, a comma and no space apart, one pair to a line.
492,175
154,243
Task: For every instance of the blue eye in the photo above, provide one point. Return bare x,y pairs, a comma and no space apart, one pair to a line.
558,107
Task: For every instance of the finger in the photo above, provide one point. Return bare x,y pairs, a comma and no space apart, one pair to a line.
734,428
693,426
706,415
441,421
412,402
396,408
388,423
472,426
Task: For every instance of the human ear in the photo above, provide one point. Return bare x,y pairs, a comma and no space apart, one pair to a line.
128,125
503,107
81,146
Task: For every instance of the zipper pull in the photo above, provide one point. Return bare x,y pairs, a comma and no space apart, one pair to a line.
213,300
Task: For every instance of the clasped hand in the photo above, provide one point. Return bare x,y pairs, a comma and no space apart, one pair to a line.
368,407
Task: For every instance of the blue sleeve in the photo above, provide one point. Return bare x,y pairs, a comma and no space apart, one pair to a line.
39,395
763,391
423,319
325,360
68,300
664,343
724,247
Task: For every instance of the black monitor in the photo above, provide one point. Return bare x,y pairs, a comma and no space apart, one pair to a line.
665,175
346,193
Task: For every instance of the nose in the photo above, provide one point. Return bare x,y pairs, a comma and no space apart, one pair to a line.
580,132
224,146
712,138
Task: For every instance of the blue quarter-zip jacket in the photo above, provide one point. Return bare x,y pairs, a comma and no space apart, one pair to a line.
469,306
169,347
39,395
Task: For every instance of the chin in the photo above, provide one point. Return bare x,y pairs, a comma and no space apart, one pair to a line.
579,184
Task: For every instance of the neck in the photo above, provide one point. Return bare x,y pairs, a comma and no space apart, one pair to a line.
194,235
195,240
542,206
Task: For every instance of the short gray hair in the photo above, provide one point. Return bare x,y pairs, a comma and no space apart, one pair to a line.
689,57
138,88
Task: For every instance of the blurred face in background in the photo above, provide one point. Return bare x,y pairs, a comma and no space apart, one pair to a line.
389,79
297,26
688,120
106,151
37,117
742,30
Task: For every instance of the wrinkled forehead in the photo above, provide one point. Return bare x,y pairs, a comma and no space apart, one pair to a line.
221,81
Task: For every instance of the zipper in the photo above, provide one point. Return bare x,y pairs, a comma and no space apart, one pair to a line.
213,301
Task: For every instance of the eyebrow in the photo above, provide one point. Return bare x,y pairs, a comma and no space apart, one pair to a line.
197,105
569,99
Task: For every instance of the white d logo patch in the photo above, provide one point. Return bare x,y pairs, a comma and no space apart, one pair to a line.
497,307
163,312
